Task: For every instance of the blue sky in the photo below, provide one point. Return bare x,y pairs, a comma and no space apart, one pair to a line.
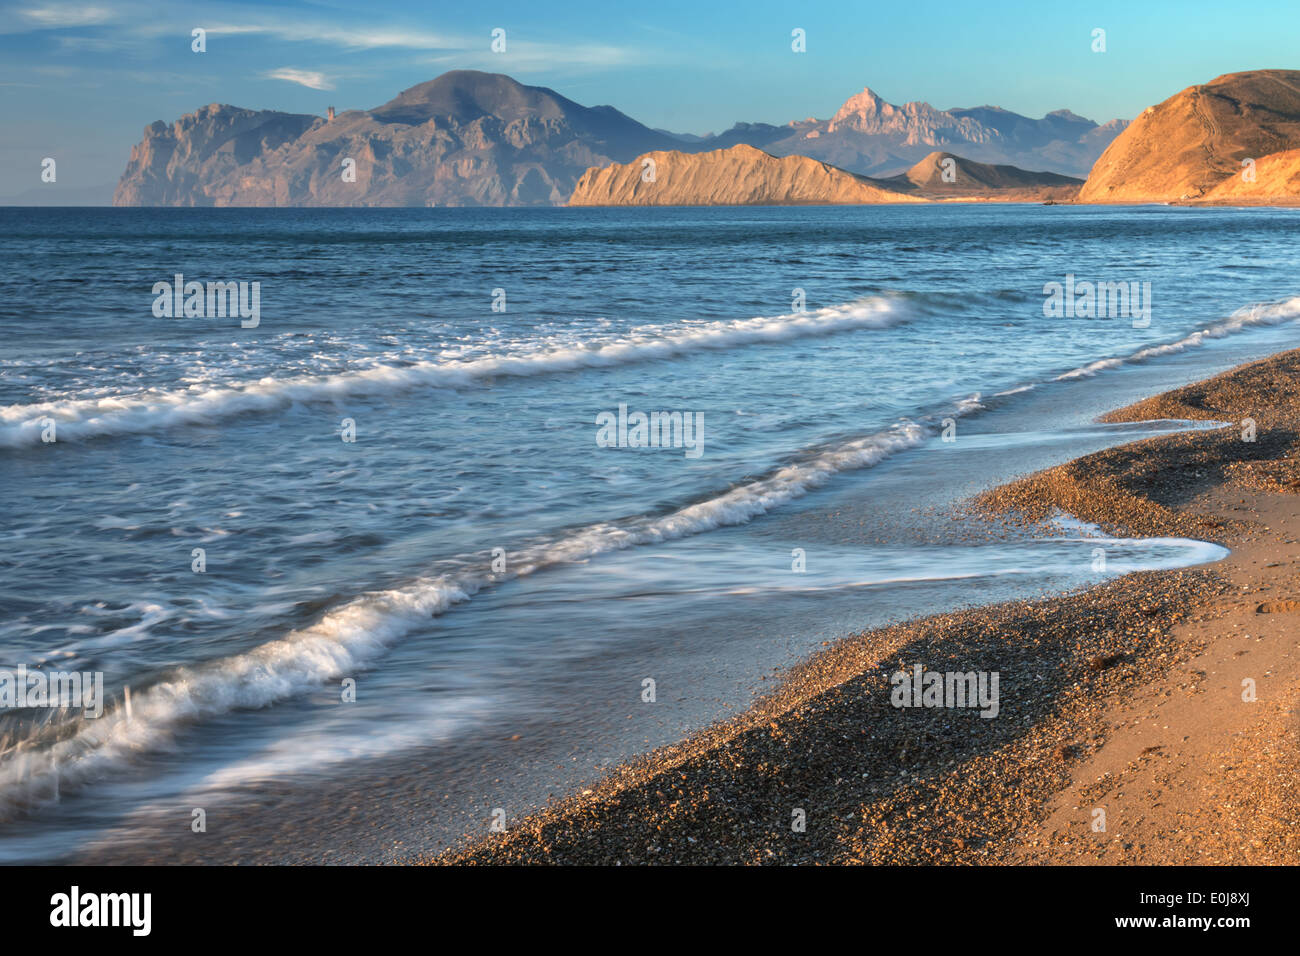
80,80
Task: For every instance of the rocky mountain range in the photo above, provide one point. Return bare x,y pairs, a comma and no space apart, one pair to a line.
870,136
472,138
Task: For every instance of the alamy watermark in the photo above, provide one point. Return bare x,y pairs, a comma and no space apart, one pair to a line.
215,300
1098,300
953,689
23,688
132,911
654,430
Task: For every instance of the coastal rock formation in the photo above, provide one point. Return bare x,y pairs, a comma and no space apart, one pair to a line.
1194,141
743,175
466,138
738,176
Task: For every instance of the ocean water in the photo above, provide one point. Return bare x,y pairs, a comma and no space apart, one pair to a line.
402,491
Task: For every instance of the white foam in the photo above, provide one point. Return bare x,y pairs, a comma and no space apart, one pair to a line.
1183,552
1269,314
156,409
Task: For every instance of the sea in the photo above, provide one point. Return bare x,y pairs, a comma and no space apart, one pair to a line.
402,522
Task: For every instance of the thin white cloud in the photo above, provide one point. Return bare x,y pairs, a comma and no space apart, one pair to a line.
520,53
132,19
358,39
308,78
57,16
127,27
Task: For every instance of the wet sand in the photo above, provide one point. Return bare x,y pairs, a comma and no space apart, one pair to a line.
1133,698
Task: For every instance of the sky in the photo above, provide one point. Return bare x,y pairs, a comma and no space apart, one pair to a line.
79,81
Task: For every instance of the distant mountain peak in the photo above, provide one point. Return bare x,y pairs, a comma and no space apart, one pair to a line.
917,122
868,99
861,106
467,95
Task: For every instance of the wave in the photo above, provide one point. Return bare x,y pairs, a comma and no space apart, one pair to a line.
1266,314
347,639
200,404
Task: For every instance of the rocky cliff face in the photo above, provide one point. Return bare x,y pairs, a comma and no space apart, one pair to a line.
1197,139
175,165
466,138
738,176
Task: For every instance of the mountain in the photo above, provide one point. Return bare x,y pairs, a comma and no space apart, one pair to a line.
943,175
737,176
1195,140
870,136
465,138
470,138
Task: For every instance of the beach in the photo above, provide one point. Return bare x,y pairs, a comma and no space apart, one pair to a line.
378,579
1166,700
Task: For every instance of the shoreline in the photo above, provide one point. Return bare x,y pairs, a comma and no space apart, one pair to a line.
1125,698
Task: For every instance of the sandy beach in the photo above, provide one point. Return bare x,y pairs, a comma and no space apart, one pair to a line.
1161,705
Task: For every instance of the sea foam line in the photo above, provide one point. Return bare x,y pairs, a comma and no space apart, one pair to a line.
140,412
1265,314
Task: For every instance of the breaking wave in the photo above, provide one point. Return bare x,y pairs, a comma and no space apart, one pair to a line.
1254,315
148,411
